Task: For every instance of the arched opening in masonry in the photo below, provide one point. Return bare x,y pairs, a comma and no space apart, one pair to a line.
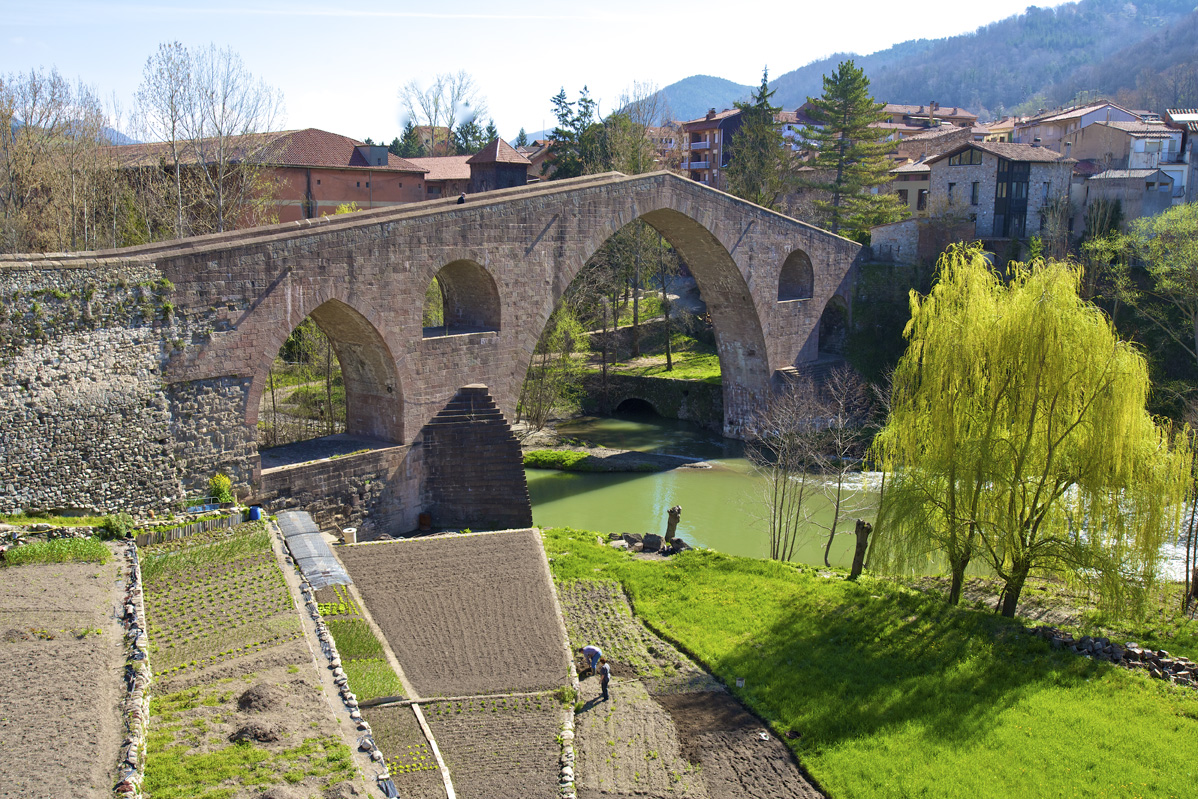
659,296
462,298
796,281
332,388
833,327
635,406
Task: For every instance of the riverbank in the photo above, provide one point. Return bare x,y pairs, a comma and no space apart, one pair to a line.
881,690
547,449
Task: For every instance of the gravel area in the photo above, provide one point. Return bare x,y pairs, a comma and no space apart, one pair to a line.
62,656
499,747
464,614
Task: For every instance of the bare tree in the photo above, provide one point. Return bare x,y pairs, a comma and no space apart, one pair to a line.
785,437
227,114
844,407
629,141
451,100
164,99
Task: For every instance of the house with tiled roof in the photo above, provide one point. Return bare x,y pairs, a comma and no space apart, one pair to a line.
1005,189
445,175
497,166
1050,128
1133,145
309,172
706,146
1140,192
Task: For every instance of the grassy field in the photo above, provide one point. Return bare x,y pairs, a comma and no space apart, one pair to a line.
892,693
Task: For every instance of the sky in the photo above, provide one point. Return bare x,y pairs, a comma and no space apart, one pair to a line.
341,69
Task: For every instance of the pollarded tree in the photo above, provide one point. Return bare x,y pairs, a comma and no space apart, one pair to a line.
1018,432
759,169
849,156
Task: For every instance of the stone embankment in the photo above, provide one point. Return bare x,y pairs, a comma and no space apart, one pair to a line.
1157,662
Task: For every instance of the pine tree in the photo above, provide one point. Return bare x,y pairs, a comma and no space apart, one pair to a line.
759,168
522,139
410,146
849,155
578,147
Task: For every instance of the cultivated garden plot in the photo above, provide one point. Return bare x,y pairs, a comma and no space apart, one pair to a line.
499,746
628,746
409,758
464,614
62,654
721,745
597,612
736,754
237,708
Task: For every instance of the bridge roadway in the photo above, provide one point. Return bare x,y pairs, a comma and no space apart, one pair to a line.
504,259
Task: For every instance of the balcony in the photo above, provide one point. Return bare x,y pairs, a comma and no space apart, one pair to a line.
698,145
696,164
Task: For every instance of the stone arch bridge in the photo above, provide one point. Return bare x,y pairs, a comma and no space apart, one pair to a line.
183,380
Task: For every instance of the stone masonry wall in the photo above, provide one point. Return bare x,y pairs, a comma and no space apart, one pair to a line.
690,400
83,410
361,491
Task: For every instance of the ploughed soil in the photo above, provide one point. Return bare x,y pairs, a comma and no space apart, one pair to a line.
464,614
499,746
62,657
670,729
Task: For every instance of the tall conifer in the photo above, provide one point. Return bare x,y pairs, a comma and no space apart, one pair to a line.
849,156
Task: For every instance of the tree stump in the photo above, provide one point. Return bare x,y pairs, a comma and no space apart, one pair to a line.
675,514
862,531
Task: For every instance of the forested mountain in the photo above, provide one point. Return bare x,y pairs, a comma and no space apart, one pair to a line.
690,98
1143,52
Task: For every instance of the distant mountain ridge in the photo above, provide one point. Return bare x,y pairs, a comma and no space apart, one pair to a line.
1043,54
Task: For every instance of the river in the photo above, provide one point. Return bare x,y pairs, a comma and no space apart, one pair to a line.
722,507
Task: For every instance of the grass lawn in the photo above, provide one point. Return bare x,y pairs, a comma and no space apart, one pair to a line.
896,694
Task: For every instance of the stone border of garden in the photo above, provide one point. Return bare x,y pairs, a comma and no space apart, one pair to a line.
1158,663
138,676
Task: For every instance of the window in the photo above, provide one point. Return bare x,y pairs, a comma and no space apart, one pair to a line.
970,157
1019,191
1000,191
401,184
903,197
1044,195
359,184
318,181
975,191
921,203
951,186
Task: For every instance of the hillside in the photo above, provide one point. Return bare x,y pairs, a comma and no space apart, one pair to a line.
690,98
1044,56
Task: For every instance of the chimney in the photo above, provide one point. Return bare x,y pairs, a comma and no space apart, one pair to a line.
1068,144
1036,142
710,113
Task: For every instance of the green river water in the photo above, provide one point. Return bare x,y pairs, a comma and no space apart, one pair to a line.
722,507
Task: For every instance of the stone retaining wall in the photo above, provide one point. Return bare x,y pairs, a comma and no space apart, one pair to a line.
690,400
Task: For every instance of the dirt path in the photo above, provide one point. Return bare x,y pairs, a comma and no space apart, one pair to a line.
666,713
62,656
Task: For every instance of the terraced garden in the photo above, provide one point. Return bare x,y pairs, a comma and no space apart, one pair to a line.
370,675
237,707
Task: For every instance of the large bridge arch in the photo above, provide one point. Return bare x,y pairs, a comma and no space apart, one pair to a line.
736,319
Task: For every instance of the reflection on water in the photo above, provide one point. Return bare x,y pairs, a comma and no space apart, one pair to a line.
722,507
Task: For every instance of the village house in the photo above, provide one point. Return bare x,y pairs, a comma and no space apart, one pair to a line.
1050,129
445,175
706,146
1186,120
308,173
1136,146
1139,192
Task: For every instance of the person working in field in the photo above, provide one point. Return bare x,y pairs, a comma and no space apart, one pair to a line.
604,676
591,654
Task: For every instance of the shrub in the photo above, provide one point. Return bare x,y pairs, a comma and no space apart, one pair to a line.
117,525
220,488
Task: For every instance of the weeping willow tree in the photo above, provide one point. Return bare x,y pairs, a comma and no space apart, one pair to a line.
1018,434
